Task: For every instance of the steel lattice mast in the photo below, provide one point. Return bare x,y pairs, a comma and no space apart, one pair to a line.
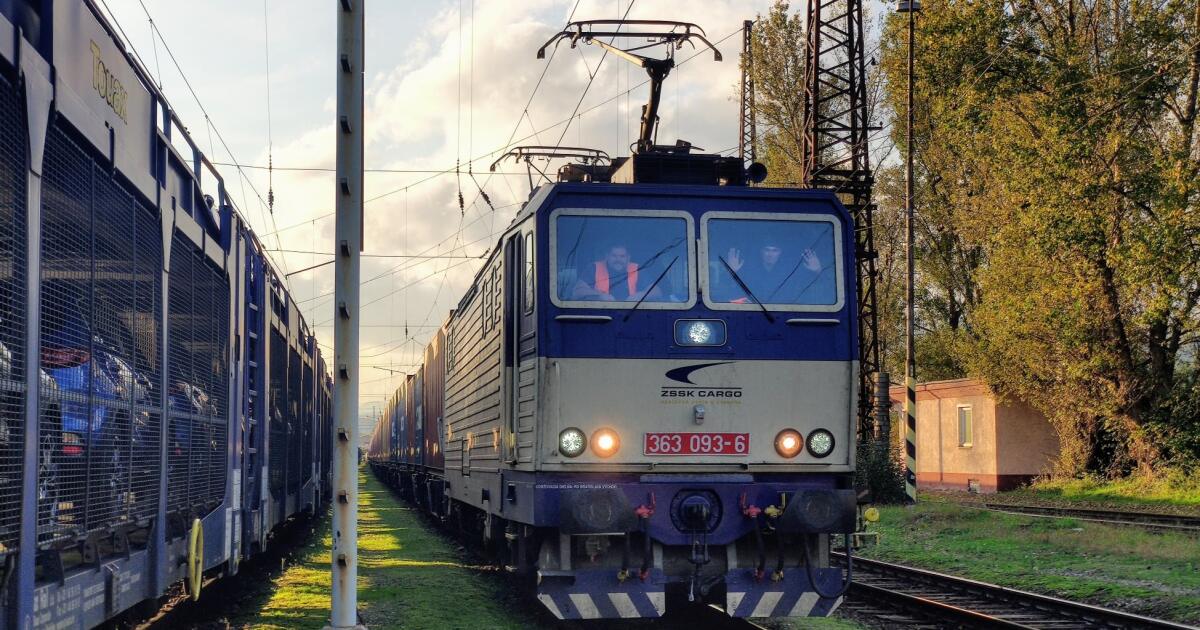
836,155
746,140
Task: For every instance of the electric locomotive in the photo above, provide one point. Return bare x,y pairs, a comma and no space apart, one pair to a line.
651,384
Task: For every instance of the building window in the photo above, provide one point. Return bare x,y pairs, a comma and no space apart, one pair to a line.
966,426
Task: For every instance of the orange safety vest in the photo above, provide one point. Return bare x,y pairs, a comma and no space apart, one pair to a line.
602,277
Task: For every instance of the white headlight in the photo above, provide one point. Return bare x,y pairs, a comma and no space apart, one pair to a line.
700,333
820,443
572,442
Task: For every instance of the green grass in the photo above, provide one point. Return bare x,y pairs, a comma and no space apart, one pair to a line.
1171,489
409,572
1156,574
405,572
815,623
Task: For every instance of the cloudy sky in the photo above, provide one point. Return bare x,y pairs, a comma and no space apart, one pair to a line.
447,84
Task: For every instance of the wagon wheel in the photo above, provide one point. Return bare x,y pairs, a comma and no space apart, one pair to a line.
195,560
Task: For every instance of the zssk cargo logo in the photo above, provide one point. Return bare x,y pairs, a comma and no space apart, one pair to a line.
689,389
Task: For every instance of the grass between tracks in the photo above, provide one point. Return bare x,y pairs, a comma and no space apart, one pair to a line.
1172,491
1149,573
406,572
411,577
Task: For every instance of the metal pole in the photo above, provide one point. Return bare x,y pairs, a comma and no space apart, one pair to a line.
348,236
910,360
883,412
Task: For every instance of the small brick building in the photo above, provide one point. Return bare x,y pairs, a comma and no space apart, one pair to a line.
967,440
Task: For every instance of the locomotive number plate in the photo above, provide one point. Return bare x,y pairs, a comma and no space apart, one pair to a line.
697,444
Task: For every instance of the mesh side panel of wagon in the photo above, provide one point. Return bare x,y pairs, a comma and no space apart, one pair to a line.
146,323
295,443
65,406
307,421
277,461
199,355
183,405
113,377
13,304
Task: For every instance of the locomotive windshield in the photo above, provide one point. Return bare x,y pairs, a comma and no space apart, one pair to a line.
621,259
781,263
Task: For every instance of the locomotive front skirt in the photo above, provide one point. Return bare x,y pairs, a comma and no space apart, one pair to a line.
648,388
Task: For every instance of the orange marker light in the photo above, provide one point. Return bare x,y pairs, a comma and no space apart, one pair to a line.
788,443
605,442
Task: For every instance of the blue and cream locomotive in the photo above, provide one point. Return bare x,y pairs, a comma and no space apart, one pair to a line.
650,386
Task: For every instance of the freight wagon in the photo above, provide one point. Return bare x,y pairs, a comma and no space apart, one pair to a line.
163,404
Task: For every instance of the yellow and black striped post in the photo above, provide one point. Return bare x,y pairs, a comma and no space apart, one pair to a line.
911,7
910,435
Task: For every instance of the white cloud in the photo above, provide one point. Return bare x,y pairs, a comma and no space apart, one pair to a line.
420,117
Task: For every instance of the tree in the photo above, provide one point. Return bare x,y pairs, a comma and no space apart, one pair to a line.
1058,145
778,47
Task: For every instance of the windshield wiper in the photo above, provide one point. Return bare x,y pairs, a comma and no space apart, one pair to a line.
650,288
745,288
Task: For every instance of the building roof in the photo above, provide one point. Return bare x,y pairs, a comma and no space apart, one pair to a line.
942,389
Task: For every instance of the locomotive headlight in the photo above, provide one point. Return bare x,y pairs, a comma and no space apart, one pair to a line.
700,332
820,443
788,443
572,442
605,442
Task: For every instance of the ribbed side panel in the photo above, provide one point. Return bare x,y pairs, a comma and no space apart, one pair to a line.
13,147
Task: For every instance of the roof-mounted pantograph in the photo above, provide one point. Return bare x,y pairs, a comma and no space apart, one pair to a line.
528,154
666,33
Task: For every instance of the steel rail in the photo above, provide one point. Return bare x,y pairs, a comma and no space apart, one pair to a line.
1153,520
971,603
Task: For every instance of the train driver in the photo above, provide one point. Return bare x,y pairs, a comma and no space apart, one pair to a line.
613,278
765,276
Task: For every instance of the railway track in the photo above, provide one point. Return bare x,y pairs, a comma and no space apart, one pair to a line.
1172,522
900,595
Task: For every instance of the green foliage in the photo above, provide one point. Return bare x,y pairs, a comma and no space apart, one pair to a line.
777,47
1057,234
1174,487
1059,184
881,472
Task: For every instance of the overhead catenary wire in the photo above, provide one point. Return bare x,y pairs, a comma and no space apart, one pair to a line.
434,174
591,78
155,30
270,136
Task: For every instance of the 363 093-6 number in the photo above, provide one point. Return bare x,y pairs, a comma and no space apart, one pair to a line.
679,443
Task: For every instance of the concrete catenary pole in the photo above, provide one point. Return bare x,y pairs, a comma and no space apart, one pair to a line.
348,205
911,7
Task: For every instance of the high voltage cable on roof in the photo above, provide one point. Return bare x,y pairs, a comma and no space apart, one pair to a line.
322,169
